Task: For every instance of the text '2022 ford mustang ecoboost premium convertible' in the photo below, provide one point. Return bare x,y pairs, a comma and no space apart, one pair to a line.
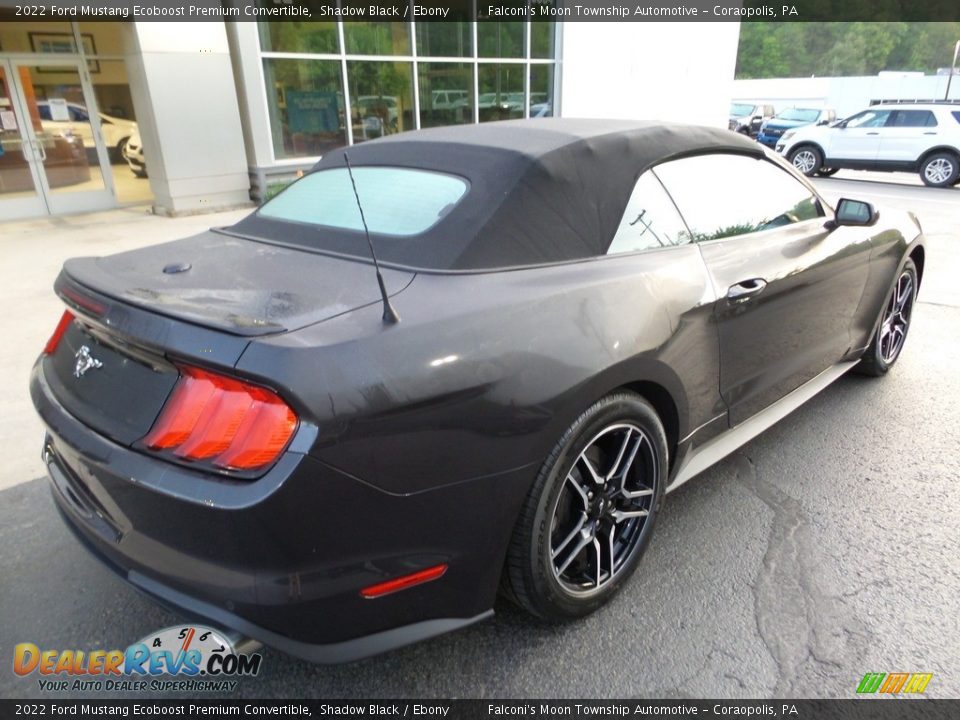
576,317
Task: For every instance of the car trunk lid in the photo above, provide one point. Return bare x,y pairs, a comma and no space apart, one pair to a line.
235,285
135,324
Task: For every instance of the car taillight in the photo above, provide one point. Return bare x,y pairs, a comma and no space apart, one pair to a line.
61,328
229,423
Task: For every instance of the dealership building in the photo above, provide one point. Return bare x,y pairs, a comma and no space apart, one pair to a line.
199,116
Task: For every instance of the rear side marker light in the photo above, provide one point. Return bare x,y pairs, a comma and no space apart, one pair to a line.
61,328
229,423
404,581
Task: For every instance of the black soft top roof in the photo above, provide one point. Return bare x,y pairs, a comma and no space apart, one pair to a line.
541,191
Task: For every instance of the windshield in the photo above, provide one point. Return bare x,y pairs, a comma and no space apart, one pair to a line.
739,109
396,201
800,115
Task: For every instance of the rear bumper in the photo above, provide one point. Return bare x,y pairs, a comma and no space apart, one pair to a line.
282,559
202,612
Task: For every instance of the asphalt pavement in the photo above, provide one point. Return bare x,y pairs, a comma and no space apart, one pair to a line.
824,549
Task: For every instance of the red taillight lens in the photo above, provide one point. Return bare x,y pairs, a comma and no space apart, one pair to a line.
61,328
404,582
229,423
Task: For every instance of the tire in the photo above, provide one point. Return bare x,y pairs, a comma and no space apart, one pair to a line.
940,170
573,547
116,153
806,159
890,334
827,172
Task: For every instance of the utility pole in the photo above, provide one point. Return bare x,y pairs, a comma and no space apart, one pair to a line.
953,69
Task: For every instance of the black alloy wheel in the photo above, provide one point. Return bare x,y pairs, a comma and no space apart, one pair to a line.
590,514
891,331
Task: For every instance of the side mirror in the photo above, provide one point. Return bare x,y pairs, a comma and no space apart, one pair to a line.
823,122
853,213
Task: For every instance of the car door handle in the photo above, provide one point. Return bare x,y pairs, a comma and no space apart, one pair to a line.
929,133
746,289
873,133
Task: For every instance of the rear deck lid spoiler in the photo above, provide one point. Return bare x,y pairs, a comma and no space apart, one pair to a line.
234,285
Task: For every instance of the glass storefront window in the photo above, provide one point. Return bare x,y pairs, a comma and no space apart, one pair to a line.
446,93
446,39
542,39
541,90
305,101
464,71
299,37
501,91
376,38
500,39
381,98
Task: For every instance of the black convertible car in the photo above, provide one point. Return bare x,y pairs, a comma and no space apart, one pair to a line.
576,317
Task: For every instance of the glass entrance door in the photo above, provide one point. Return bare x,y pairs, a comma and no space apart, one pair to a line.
20,194
59,162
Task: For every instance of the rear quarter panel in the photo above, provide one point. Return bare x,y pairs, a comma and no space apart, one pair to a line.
485,371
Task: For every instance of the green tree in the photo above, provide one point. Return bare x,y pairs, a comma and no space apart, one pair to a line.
794,49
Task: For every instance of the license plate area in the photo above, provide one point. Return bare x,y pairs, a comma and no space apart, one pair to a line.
117,391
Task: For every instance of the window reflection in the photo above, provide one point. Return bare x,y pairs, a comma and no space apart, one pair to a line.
542,35
724,195
381,98
500,39
444,39
501,91
446,94
299,37
376,38
305,100
649,221
458,79
868,119
541,90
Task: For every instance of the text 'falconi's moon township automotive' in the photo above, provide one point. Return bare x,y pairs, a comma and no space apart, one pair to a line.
572,318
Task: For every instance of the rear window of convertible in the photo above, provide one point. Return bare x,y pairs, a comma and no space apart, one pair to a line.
396,201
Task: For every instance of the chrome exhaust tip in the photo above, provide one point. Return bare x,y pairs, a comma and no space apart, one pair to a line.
241,643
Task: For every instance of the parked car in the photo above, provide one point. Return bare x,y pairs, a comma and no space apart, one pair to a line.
542,109
133,154
449,99
569,318
746,118
771,130
916,137
383,107
116,131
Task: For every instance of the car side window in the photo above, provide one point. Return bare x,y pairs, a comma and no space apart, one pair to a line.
722,195
868,119
650,220
912,118
43,111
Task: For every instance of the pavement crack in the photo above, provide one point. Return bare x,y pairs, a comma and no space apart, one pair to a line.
799,625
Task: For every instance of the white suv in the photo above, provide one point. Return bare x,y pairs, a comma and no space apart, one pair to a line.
918,137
